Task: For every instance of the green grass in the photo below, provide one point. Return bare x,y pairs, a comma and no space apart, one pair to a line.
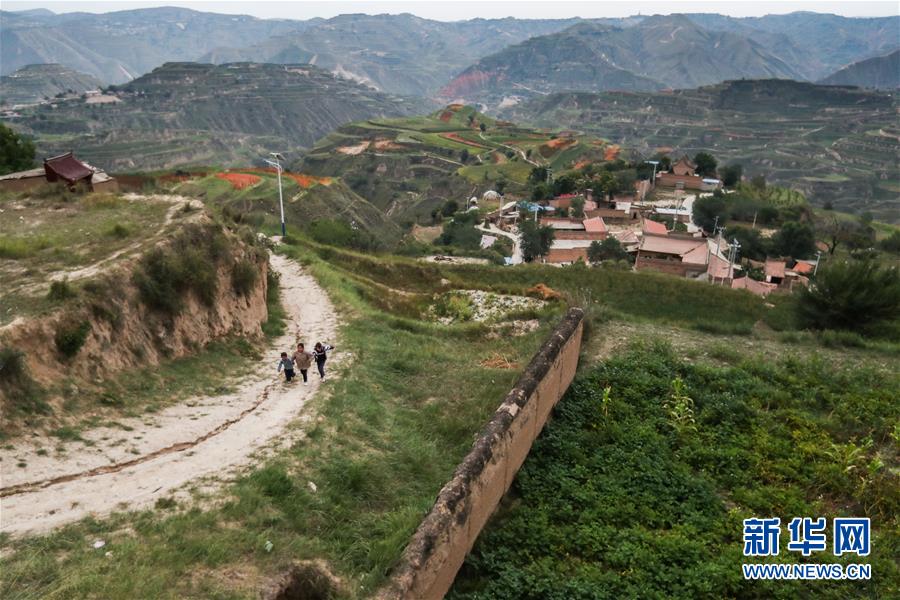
394,425
627,498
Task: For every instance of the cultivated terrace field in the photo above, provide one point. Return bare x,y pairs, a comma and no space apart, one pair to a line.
408,167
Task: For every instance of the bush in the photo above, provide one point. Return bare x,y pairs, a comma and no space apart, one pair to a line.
244,276
118,231
851,295
188,265
60,290
455,306
71,336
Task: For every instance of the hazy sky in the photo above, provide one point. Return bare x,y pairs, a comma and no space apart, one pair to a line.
451,10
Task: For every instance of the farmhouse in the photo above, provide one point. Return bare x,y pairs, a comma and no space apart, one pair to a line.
683,176
572,238
683,255
65,169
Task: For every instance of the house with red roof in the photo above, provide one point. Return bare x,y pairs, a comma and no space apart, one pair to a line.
573,237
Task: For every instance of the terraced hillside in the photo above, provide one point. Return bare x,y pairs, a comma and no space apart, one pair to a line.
407,167
192,114
33,83
659,52
835,144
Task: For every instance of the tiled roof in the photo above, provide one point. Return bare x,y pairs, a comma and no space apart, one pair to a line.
595,225
670,245
775,268
656,227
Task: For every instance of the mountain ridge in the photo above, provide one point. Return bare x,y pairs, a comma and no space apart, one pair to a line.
882,72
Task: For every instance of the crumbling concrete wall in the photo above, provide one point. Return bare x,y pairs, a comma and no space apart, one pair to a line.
446,535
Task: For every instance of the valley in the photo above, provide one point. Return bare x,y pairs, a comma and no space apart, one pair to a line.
509,303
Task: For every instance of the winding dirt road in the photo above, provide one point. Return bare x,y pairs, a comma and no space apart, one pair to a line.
136,462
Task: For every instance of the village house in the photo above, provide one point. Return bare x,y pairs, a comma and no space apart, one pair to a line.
682,176
65,169
572,238
684,256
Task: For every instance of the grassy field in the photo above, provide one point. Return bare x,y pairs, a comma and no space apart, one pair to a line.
640,490
53,231
391,429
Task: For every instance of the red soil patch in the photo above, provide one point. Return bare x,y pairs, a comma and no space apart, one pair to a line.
446,115
611,152
302,179
581,164
307,181
498,158
664,150
456,138
560,143
239,181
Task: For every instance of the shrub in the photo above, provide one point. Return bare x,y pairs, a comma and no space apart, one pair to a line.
188,265
118,231
71,336
60,290
455,306
851,295
244,276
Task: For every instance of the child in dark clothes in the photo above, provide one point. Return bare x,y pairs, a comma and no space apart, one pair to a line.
286,363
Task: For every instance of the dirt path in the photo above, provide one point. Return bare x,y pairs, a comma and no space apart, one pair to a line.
144,459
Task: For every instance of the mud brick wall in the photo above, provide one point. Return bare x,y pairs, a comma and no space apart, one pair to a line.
446,535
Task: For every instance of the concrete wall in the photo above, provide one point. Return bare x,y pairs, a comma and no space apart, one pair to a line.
446,535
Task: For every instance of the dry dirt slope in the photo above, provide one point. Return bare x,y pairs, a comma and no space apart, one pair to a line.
202,437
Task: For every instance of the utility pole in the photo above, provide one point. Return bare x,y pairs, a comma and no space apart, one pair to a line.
278,169
818,256
715,227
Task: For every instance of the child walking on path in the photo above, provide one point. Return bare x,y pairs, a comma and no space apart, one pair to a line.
287,364
302,361
320,354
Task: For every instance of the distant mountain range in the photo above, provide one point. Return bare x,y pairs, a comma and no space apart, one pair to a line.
33,83
119,46
659,52
404,54
882,72
191,113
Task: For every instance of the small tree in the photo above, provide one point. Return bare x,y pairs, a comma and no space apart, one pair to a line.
16,152
731,175
852,295
482,127
578,207
794,239
608,249
464,156
706,164
536,240
450,208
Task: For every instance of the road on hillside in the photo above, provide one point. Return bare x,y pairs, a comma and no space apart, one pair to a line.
517,244
195,442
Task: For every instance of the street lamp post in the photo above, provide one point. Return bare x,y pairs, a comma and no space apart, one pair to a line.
278,169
